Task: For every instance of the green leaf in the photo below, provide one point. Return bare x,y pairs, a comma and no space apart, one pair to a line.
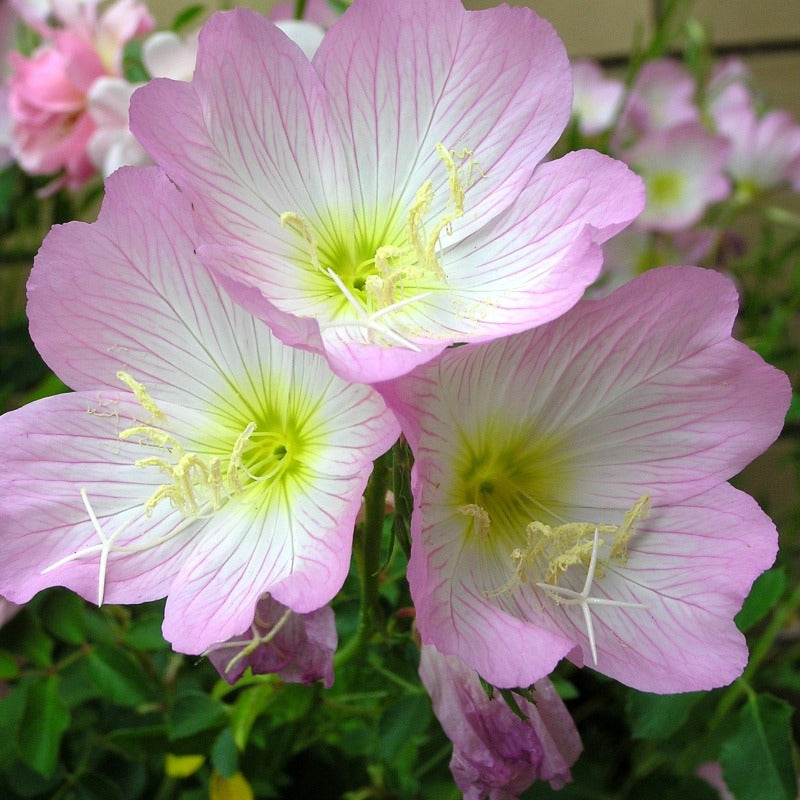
224,755
43,723
8,666
658,716
118,676
763,596
62,615
12,707
145,634
250,704
147,739
195,712
186,17
757,761
402,720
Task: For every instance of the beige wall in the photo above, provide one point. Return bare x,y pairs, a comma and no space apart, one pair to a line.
607,27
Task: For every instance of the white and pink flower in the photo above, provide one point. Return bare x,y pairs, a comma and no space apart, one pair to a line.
596,99
570,489
199,458
683,169
386,200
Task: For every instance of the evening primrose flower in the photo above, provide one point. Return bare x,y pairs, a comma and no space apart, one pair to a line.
570,494
385,200
199,459
683,172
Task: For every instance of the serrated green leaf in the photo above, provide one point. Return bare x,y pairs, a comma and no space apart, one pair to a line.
195,712
117,676
44,721
763,596
658,716
757,761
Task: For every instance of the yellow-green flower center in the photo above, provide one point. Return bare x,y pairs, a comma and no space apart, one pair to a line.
378,263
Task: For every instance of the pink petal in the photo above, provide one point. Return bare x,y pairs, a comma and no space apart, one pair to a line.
404,77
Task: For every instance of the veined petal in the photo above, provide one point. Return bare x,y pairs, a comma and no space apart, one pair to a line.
534,261
404,77
255,137
690,567
547,463
57,447
247,458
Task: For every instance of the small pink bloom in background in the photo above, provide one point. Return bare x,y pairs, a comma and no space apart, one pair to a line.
298,648
570,489
765,151
683,171
48,91
199,458
729,88
596,99
401,208
495,753
661,98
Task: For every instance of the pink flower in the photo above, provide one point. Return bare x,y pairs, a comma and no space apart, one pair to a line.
496,753
661,98
570,494
199,458
384,201
48,91
683,173
765,151
596,99
298,648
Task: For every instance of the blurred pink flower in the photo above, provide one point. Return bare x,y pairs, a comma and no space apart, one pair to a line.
596,98
48,91
661,98
570,489
298,648
683,169
765,151
496,753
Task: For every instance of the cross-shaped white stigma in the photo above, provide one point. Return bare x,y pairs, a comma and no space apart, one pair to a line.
569,597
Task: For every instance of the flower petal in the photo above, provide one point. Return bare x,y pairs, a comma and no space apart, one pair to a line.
404,77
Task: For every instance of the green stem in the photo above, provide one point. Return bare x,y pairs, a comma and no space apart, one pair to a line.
367,555
299,8
758,654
